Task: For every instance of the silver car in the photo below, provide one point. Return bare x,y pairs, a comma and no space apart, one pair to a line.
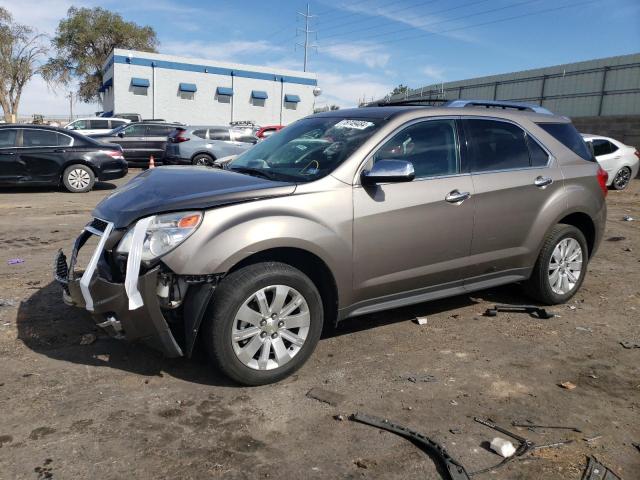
343,213
203,145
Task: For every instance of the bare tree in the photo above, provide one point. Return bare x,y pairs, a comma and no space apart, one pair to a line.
20,50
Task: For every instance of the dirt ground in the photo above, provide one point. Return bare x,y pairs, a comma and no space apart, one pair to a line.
113,410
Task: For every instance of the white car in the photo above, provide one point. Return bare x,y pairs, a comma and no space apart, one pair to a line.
96,125
619,160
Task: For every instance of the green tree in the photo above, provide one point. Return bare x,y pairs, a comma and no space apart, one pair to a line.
400,89
20,50
84,40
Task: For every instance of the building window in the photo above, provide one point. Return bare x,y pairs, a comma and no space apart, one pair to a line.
291,101
139,86
258,98
224,94
187,91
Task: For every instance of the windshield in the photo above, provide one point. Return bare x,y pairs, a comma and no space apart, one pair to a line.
306,150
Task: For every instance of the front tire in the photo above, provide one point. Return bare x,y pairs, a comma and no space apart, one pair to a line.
78,178
203,160
561,266
263,323
622,179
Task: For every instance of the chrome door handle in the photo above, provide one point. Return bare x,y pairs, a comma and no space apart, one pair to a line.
543,181
455,196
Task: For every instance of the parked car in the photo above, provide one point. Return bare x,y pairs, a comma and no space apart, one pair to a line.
44,155
140,140
203,145
132,117
95,125
247,126
620,161
343,213
267,131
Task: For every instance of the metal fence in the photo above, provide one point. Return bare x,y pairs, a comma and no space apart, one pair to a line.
602,87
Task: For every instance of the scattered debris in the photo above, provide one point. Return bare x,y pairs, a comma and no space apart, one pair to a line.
453,467
421,320
455,431
532,310
502,447
592,439
616,239
628,249
14,261
419,377
6,302
572,307
326,396
556,427
340,417
5,439
597,471
87,339
637,445
567,385
364,463
585,329
627,218
453,402
629,344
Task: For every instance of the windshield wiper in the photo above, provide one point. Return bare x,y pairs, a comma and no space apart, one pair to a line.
254,172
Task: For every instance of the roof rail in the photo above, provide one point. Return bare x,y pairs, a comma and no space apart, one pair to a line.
408,102
525,107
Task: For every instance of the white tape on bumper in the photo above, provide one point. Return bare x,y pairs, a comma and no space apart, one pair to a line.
85,281
133,263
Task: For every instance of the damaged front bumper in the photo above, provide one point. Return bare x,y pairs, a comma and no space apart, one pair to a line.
129,310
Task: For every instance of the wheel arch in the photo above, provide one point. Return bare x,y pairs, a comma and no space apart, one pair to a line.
203,152
585,224
78,161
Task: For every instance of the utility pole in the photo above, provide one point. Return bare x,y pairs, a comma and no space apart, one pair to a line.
306,32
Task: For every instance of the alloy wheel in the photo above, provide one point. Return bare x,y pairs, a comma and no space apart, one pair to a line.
565,266
622,178
79,178
270,327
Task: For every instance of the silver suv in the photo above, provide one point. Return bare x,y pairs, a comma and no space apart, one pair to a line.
341,214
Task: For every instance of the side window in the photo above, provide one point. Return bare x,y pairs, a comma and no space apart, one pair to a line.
496,145
80,125
117,123
99,124
39,138
135,130
159,130
200,133
603,147
219,135
430,146
8,138
243,137
567,134
539,158
64,140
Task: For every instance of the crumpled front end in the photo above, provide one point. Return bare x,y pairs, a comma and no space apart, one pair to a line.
126,299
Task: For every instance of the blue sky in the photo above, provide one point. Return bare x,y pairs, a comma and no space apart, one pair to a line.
365,48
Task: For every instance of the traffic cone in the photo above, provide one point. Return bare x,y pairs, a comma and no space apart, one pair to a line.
152,162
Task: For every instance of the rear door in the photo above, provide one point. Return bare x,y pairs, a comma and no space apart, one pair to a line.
412,236
132,142
513,178
222,145
156,139
43,153
10,167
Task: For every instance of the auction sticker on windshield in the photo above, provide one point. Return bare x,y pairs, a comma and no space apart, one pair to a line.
357,124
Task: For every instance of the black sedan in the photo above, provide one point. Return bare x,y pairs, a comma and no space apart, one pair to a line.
140,140
42,155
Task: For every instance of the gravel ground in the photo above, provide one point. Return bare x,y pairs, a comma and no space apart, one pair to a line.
114,410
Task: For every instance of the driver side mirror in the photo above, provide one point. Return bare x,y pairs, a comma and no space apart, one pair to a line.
121,134
388,171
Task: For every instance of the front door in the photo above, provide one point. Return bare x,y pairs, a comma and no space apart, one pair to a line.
513,178
416,235
11,170
132,142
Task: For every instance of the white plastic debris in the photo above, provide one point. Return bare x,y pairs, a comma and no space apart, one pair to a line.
502,447
421,320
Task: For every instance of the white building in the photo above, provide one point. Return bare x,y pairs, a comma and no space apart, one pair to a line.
204,92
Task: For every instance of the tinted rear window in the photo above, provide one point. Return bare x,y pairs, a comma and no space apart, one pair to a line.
567,134
7,138
496,146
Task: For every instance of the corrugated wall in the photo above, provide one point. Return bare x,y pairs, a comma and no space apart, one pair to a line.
601,87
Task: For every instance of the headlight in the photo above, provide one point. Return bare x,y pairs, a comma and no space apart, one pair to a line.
164,233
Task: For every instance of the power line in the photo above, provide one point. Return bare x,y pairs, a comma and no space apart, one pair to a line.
448,20
491,22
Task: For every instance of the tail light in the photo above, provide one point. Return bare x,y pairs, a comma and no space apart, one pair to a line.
637,153
117,154
179,137
603,176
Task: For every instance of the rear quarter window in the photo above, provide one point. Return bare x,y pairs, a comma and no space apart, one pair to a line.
567,134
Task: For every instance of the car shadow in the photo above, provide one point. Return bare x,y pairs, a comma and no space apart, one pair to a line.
49,327
52,188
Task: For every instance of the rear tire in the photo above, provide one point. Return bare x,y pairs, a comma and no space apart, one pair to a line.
78,178
561,266
257,343
203,160
622,179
